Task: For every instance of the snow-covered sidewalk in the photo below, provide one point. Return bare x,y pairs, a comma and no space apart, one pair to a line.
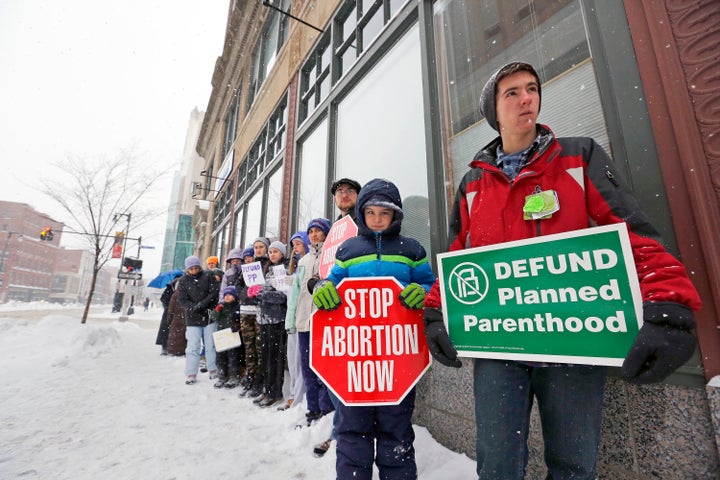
98,401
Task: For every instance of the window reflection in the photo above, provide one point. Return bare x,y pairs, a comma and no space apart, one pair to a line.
312,155
475,38
274,204
391,145
254,214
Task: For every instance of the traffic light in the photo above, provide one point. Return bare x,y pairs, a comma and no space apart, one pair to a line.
46,234
131,265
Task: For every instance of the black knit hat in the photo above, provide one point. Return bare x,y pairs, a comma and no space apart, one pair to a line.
347,181
488,95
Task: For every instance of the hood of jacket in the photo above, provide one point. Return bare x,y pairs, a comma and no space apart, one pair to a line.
234,253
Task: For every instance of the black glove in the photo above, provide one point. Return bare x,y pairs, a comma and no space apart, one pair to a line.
663,344
439,344
311,284
198,308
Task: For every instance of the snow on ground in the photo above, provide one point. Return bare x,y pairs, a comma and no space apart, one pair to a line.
98,401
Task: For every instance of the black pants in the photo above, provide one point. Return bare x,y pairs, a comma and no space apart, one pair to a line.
229,363
273,344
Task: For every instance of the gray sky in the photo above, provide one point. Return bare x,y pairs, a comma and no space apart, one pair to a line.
87,78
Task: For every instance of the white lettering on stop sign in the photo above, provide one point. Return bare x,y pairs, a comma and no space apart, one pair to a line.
377,301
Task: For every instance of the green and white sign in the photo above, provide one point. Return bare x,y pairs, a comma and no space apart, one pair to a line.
568,298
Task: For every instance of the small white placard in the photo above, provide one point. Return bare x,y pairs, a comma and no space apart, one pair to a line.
226,339
252,273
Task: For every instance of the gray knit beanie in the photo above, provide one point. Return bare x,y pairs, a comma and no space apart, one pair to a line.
192,261
280,246
488,103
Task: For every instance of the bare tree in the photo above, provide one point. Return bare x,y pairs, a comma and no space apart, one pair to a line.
97,195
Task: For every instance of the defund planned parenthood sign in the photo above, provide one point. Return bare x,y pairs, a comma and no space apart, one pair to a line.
569,298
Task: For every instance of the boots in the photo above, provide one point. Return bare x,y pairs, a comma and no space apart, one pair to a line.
257,386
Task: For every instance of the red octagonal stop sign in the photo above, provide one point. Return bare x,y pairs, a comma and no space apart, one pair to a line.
371,350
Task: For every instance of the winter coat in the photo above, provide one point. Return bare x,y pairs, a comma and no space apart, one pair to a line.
229,316
272,302
300,306
382,254
164,328
176,337
488,209
198,293
167,293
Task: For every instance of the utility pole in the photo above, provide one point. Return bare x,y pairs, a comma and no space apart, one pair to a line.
118,301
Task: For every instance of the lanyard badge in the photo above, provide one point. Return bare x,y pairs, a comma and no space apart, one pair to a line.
540,205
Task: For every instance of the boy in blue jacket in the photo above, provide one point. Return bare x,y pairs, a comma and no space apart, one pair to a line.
378,251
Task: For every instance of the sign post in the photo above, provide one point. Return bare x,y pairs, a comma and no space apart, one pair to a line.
371,350
339,232
568,298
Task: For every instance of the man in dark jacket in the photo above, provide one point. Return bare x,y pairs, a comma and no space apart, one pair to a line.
197,292
524,161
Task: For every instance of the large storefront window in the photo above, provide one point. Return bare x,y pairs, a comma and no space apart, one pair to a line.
312,193
390,145
274,204
238,238
474,38
261,168
254,216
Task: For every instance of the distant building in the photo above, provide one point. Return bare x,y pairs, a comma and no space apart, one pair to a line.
179,231
26,261
32,269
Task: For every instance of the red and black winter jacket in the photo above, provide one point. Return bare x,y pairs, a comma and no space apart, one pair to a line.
488,209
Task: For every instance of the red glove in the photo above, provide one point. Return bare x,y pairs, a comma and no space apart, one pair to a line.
254,290
219,307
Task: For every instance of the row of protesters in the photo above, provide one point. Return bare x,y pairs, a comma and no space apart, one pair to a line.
197,292
377,434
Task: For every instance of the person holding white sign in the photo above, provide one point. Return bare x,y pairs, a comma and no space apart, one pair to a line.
228,361
528,183
382,434
271,319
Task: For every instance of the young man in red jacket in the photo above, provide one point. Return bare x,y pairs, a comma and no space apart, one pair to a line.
527,158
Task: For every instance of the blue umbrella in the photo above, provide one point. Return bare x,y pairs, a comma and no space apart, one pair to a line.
164,278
